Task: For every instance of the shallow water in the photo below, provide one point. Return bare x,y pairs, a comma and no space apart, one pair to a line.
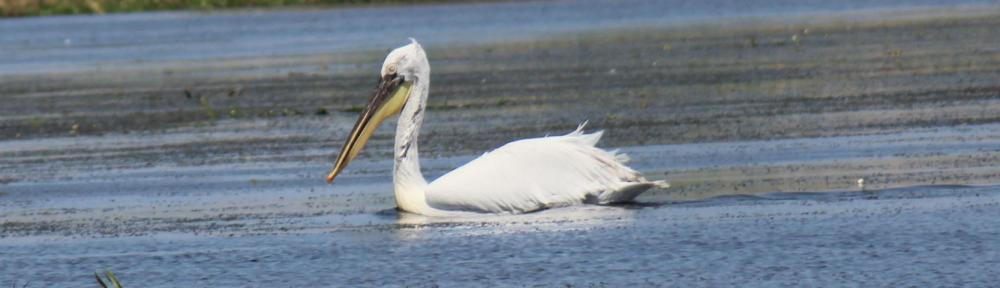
238,225
939,235
71,43
763,141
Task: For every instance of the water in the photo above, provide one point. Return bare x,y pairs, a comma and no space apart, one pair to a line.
51,44
242,203
245,225
921,236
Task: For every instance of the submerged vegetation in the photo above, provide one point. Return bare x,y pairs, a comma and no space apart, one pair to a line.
21,8
111,281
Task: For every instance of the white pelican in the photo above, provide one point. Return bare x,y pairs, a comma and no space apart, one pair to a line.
522,176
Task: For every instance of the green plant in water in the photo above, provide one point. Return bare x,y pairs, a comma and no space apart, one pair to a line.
111,279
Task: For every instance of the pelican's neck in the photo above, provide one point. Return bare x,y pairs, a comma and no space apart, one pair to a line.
409,183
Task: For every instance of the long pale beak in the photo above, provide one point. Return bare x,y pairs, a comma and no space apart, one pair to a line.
390,96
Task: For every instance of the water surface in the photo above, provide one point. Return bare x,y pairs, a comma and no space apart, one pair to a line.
49,44
174,179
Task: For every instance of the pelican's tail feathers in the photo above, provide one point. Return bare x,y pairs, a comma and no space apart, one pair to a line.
629,192
624,194
662,184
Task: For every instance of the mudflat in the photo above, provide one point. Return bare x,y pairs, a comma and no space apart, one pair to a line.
157,170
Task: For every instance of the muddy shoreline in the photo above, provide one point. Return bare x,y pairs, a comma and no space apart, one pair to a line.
763,129
644,86
663,86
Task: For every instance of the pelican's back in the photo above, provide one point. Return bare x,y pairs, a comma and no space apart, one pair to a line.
538,173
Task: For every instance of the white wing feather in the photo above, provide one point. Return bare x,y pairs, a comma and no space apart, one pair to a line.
539,173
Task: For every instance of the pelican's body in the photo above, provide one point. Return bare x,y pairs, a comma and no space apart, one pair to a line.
522,176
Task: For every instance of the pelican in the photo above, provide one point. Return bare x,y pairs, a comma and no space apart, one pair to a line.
522,176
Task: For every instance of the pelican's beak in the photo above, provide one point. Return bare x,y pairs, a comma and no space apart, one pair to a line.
390,96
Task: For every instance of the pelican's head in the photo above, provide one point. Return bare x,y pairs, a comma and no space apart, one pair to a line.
402,67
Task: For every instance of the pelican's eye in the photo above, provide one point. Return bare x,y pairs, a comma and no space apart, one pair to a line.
388,77
391,69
